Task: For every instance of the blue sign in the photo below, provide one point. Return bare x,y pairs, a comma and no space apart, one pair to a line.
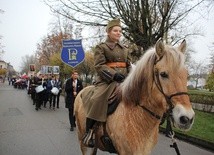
72,52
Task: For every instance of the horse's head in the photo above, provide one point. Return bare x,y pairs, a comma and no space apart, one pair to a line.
158,83
170,76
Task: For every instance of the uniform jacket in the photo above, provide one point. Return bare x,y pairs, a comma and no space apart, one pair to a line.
69,100
106,52
49,85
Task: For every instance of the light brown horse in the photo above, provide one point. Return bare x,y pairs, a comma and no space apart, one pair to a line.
157,83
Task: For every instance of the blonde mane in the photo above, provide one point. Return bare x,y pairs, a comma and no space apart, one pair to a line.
140,80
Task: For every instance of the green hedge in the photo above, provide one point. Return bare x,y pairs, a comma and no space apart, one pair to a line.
202,128
200,96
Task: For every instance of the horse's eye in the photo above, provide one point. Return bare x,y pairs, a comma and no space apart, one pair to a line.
164,75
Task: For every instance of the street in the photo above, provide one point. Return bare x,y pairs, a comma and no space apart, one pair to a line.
25,131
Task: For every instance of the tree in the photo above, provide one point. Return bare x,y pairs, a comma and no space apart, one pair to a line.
3,71
197,70
210,82
49,46
212,59
26,61
145,21
87,67
52,43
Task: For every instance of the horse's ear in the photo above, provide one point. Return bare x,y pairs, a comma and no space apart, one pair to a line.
159,46
182,46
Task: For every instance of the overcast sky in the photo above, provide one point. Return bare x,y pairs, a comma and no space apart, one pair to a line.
25,22
22,26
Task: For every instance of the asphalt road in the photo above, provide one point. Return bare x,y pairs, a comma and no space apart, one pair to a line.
25,131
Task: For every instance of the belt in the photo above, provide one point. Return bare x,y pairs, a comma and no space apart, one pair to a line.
116,64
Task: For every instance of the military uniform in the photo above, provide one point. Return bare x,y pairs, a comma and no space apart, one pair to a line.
112,62
110,58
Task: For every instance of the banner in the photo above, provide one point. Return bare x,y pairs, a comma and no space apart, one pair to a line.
43,70
49,70
72,52
32,67
55,69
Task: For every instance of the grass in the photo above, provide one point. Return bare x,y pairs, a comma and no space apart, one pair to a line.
202,128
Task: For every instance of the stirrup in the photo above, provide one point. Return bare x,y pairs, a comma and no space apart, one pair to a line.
88,139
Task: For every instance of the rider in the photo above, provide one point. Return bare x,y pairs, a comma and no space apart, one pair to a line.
112,63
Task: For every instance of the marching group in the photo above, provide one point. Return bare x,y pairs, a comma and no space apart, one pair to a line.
44,90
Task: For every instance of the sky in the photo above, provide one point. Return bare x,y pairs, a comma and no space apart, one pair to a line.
25,22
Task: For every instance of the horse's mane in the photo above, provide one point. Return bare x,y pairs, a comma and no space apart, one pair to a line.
139,82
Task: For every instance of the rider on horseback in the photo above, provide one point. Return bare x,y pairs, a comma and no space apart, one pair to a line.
112,63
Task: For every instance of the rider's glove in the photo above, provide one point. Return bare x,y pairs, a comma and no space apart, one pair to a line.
118,77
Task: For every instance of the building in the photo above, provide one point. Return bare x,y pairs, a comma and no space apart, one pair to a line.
3,70
3,64
6,70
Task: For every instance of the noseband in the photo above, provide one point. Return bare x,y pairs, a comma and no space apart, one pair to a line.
168,98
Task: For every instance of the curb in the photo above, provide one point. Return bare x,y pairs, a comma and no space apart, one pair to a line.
195,141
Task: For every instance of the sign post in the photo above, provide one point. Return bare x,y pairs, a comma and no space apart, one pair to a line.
72,52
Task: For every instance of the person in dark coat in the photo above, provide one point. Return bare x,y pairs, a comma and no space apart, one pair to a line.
33,85
59,86
72,87
52,83
40,95
48,90
45,93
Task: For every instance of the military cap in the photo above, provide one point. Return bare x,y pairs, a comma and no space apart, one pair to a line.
114,22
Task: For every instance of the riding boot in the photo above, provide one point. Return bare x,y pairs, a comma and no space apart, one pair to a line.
88,139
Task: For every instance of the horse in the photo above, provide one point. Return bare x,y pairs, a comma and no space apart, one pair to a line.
156,85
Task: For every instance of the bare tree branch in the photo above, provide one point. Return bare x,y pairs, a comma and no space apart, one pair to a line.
144,21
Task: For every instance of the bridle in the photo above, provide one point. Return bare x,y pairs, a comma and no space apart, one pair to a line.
168,98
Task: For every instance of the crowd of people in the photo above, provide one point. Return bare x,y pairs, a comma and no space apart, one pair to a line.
44,89
45,92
